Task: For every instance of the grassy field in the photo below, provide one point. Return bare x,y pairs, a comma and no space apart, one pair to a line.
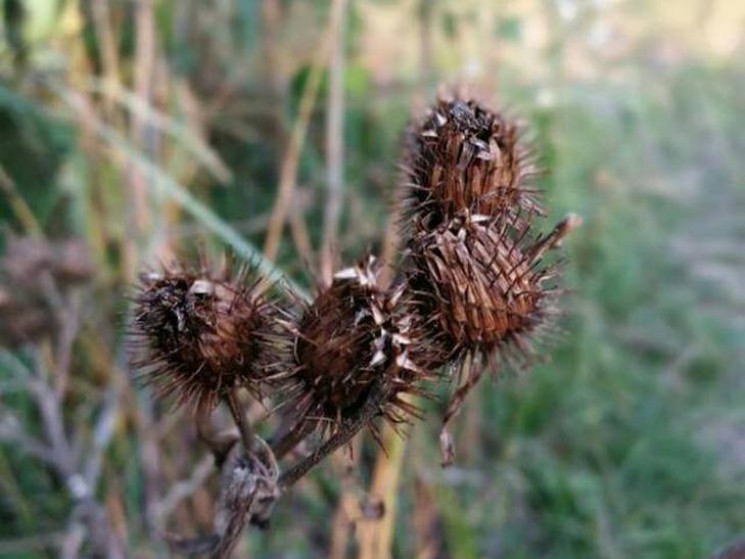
153,129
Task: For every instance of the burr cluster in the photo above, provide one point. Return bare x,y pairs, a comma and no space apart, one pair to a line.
473,288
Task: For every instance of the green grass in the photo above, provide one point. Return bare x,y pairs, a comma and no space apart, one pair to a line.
628,443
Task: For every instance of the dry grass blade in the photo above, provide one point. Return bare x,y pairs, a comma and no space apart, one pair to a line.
19,206
288,170
179,132
160,180
334,142
376,536
139,218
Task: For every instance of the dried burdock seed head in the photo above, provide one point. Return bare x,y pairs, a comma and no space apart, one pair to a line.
462,156
199,335
482,285
482,291
350,336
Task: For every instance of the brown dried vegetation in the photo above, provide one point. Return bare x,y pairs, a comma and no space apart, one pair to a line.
473,289
476,270
462,156
351,335
199,335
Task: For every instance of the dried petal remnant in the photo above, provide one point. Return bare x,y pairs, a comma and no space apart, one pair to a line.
199,335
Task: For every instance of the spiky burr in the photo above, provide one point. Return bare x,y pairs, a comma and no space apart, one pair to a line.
200,334
351,336
482,288
464,157
476,277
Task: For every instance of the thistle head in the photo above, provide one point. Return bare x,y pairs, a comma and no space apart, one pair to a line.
484,286
462,156
349,337
199,334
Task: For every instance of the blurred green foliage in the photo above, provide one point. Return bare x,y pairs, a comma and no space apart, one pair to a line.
629,442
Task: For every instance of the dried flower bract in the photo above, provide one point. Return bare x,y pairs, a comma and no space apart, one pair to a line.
483,288
462,156
200,334
350,336
477,279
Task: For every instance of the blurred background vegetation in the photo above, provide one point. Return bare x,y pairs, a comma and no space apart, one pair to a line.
149,128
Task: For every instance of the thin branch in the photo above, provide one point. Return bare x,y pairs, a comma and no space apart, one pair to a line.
184,489
18,205
69,324
349,428
50,410
73,540
103,432
239,416
334,142
88,515
291,160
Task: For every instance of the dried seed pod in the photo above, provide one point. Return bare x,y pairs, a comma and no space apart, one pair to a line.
198,335
483,286
350,336
462,156
476,281
481,289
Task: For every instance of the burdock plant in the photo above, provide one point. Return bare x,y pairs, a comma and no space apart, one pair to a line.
350,338
476,270
474,291
201,335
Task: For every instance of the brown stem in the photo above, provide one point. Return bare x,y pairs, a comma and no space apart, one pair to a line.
219,442
236,524
239,416
348,429
291,159
286,442
474,372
